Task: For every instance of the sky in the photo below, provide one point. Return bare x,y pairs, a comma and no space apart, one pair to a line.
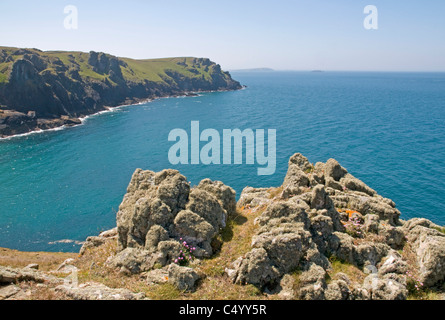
279,34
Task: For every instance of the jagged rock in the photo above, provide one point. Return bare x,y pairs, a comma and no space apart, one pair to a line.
208,207
394,236
97,291
154,236
253,197
91,242
286,288
34,266
371,223
390,287
342,246
284,247
370,253
312,283
223,193
255,268
431,259
334,170
393,264
160,211
337,290
196,230
182,277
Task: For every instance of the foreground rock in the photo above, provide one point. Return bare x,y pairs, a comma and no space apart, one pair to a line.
162,220
97,291
323,212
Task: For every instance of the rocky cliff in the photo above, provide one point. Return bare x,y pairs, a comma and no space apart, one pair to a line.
41,90
322,235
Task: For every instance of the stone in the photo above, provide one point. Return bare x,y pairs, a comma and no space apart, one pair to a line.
256,268
334,170
312,283
337,290
182,277
431,259
97,291
8,291
225,194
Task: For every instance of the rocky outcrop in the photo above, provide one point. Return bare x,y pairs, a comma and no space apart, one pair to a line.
323,212
162,220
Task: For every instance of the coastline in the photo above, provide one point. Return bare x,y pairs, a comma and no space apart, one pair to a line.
83,119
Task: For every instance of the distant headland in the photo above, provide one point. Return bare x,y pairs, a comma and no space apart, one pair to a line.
44,90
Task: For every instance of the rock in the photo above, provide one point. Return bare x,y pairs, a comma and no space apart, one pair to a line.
34,266
285,248
393,263
195,230
96,291
342,246
301,162
225,194
208,207
371,223
159,209
91,242
312,283
157,276
286,288
253,197
431,259
13,275
390,287
337,290
334,170
154,236
183,278
256,268
133,261
8,291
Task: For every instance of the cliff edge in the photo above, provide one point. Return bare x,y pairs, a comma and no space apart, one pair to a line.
43,90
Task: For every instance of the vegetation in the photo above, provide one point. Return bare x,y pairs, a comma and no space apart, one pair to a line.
155,70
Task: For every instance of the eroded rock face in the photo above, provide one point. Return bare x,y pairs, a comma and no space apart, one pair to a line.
160,212
322,211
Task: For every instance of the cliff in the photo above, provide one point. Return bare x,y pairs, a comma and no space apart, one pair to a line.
42,90
322,235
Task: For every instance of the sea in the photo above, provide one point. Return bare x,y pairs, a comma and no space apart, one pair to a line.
387,129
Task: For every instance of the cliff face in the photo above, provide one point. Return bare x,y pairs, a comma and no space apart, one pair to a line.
49,85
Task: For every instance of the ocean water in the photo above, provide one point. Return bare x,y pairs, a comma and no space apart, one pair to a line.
388,129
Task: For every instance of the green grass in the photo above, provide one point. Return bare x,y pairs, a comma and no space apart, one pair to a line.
154,70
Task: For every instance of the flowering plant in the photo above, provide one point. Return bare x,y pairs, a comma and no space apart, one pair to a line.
185,254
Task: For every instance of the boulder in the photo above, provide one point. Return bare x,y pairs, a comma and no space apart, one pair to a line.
182,277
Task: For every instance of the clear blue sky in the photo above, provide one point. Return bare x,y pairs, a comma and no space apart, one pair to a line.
280,34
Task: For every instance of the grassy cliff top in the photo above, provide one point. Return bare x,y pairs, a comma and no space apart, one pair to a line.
154,70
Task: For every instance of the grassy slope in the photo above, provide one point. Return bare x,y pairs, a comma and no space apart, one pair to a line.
135,71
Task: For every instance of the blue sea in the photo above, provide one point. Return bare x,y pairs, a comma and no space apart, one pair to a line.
388,129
